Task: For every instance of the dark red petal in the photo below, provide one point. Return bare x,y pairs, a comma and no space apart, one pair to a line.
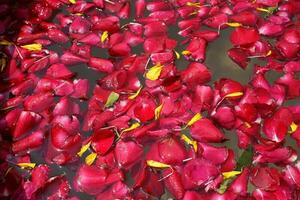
205,131
243,36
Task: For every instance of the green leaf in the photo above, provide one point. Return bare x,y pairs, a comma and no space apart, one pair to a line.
245,159
113,97
223,187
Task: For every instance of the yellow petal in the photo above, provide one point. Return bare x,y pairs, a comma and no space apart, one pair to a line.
157,111
26,165
269,53
5,42
33,47
177,55
263,10
190,142
72,1
154,72
193,4
234,94
156,164
83,149
230,174
247,125
293,127
196,118
104,36
89,160
3,64
78,14
233,24
132,127
186,52
135,94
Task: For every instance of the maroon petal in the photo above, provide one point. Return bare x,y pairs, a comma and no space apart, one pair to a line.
239,57
225,117
144,111
196,73
90,179
288,50
240,184
246,18
102,65
57,36
102,140
275,130
39,102
26,122
291,174
140,7
171,151
198,172
173,183
34,140
217,155
270,29
128,153
69,58
205,131
265,178
243,36
59,71
66,107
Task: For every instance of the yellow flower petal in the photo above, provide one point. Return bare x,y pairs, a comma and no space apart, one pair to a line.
186,52
230,174
233,24
234,94
154,72
177,54
3,64
5,42
33,47
26,165
104,36
83,149
247,125
197,4
157,111
293,127
72,1
156,164
263,10
78,14
190,142
135,94
132,127
269,53
196,118
89,160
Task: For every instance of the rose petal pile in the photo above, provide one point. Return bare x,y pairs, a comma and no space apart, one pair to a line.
145,126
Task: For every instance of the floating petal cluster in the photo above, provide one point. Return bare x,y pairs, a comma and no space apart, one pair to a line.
147,128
